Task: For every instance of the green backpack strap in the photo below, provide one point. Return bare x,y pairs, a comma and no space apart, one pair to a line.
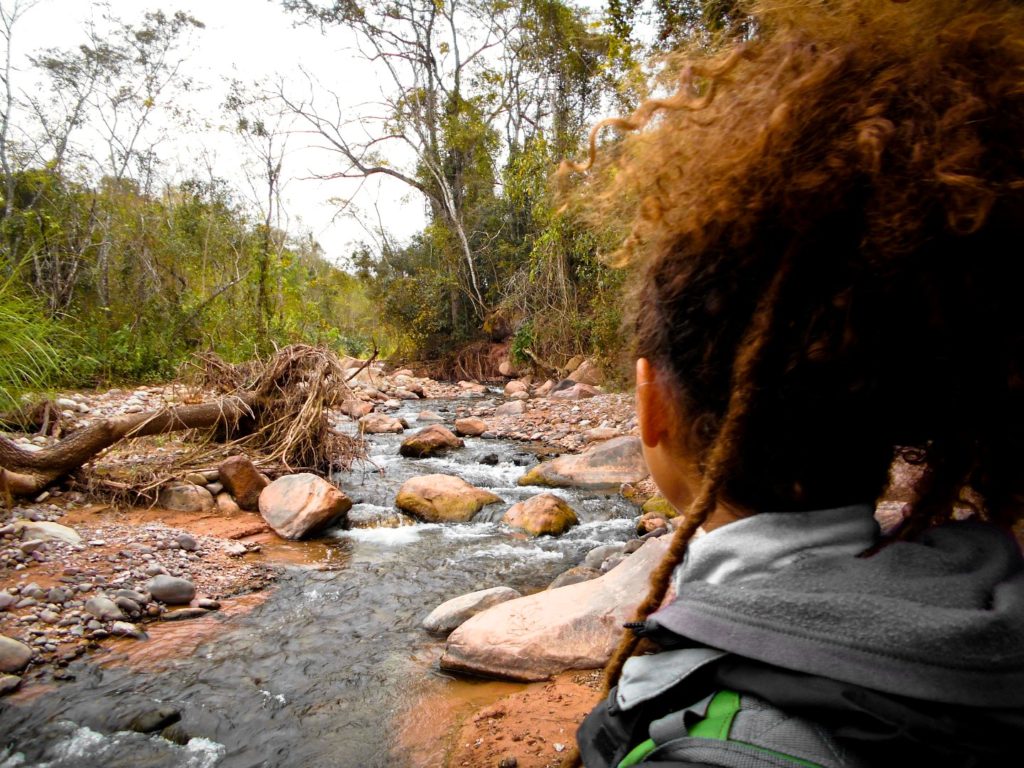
715,725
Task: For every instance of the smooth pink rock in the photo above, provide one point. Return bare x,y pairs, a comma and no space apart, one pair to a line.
573,627
302,504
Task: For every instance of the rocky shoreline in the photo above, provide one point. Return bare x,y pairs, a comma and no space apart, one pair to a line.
77,574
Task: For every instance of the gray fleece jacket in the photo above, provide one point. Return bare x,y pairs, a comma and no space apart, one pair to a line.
939,619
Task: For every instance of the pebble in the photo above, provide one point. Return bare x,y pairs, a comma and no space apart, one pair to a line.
187,542
208,604
126,629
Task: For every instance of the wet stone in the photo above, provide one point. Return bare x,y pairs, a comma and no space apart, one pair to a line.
180,614
103,608
171,590
9,683
207,604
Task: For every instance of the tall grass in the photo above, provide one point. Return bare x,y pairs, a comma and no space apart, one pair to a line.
32,347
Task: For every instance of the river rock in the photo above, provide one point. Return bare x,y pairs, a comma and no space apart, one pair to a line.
442,498
185,497
379,424
659,505
126,629
449,615
506,368
597,434
587,373
302,504
515,386
470,426
171,590
574,392
429,441
46,531
605,465
598,555
7,600
181,614
227,505
243,481
575,575
650,522
544,389
543,515
103,609
513,408
573,627
428,417
9,683
356,409
14,655
187,542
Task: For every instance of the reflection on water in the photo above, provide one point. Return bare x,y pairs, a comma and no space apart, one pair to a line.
313,674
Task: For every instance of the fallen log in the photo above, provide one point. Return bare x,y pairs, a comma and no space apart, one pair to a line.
25,472
280,405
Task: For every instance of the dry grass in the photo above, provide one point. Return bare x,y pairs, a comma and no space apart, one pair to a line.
288,428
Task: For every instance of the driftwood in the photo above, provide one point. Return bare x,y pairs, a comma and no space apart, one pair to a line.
278,409
27,472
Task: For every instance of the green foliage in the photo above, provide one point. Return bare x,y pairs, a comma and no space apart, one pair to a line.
32,355
521,342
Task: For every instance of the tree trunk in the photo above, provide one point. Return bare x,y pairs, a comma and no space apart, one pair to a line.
27,472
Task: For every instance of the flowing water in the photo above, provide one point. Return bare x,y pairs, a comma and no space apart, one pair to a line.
317,672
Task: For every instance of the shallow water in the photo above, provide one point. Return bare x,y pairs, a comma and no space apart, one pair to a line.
316,673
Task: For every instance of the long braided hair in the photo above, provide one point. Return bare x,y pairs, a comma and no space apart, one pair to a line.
827,233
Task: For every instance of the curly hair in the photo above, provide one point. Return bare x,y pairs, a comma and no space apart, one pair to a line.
827,224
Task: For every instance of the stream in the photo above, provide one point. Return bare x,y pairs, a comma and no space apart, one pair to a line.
321,671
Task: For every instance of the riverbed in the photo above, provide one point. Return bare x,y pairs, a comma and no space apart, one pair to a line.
327,667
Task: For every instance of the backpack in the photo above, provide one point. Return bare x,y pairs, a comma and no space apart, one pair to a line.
699,707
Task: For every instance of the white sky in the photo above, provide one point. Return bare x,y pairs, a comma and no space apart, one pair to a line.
249,40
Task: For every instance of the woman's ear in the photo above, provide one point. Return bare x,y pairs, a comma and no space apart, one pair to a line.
653,404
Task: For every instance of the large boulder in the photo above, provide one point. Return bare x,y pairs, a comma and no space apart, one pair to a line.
429,441
380,423
185,497
543,515
470,426
46,531
449,615
243,481
573,627
442,498
605,465
299,505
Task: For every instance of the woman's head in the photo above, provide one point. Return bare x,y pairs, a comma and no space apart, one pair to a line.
828,237
869,158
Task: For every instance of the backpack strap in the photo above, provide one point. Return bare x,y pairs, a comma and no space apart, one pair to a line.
732,729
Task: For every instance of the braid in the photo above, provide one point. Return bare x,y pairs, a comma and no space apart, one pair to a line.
721,460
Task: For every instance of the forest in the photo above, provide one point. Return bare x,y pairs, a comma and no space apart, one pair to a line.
116,265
